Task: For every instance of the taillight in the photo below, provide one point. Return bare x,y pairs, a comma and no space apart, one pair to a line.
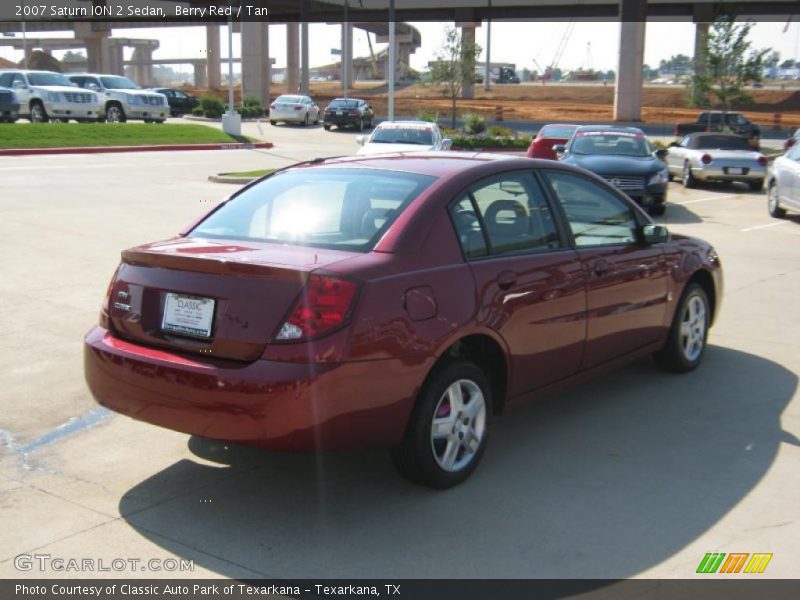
298,108
762,160
324,305
706,159
353,113
104,308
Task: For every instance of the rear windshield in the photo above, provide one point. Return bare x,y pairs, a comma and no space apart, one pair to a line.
720,142
557,131
290,99
610,143
343,104
397,135
346,209
49,79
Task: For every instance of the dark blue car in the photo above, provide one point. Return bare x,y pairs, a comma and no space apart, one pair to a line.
623,157
9,105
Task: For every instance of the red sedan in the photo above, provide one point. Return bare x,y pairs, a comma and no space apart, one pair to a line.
549,136
398,301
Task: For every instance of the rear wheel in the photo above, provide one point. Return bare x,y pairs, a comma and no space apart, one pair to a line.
273,122
305,121
686,343
756,185
773,202
360,124
38,113
449,426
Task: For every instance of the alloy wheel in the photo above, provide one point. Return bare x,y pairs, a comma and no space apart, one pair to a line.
459,425
693,328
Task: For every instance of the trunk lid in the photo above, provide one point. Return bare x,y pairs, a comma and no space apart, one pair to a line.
253,286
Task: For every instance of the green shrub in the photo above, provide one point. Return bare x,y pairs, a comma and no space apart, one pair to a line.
427,116
490,142
212,103
474,123
213,113
251,101
497,131
198,111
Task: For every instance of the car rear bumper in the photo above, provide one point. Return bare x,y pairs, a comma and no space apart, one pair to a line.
722,173
294,116
282,406
342,121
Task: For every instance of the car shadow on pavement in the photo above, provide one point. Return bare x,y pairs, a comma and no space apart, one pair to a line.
603,481
677,214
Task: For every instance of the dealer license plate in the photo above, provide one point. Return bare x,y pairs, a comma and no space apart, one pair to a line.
188,315
735,171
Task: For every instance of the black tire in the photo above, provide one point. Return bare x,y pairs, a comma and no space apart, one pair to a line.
159,121
115,113
688,179
756,185
37,113
675,356
305,121
316,121
417,458
271,122
773,202
360,124
657,210
327,127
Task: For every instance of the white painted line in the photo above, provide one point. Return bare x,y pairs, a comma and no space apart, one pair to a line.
706,199
765,226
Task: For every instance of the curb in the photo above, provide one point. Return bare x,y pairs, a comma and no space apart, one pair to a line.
114,149
208,120
226,179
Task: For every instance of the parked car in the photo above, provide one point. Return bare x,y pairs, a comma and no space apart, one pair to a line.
400,301
719,121
291,108
716,157
123,99
9,105
348,112
45,95
793,139
623,157
403,136
179,101
547,137
783,187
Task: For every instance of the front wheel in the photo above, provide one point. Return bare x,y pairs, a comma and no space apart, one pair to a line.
38,113
686,343
305,121
773,202
115,114
449,427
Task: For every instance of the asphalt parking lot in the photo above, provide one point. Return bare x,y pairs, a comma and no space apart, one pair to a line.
637,474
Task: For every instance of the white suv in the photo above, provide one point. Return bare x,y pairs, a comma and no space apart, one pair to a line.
45,95
123,99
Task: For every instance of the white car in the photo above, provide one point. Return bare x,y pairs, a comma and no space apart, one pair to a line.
123,99
45,95
716,157
783,186
291,108
403,136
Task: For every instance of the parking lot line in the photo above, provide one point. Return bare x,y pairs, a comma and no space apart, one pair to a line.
765,226
707,198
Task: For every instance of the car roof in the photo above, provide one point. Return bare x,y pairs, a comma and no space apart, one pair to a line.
407,123
698,134
609,128
437,164
94,75
12,70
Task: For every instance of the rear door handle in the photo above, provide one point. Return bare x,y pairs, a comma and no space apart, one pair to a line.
506,280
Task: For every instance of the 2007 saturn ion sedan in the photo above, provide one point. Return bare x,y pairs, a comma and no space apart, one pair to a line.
396,300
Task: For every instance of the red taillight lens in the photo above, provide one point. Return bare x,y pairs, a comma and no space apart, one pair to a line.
762,160
323,306
353,113
706,159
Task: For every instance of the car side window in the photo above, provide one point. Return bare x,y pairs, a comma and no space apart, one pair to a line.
515,214
18,77
595,215
794,152
5,79
468,228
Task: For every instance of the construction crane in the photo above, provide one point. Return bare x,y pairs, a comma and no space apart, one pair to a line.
547,73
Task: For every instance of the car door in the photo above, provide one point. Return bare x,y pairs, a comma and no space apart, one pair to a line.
626,279
792,168
676,156
530,283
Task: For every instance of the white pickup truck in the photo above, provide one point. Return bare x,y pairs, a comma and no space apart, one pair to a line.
45,95
122,99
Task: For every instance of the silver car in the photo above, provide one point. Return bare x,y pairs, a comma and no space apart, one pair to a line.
403,136
45,95
716,157
291,108
783,186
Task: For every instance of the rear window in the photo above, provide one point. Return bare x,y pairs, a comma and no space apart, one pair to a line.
346,209
405,135
557,131
721,142
290,99
343,104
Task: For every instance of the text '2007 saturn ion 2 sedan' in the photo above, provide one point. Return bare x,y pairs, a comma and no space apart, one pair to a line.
398,301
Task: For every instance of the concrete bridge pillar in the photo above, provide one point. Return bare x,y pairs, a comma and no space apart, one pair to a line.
213,58
305,79
628,91
97,47
199,74
256,74
143,69
347,56
292,77
116,58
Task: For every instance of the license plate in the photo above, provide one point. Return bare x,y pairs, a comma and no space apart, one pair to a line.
342,112
735,171
188,315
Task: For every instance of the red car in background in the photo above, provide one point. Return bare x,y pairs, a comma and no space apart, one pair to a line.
397,300
548,136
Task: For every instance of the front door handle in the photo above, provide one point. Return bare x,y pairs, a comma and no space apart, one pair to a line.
506,280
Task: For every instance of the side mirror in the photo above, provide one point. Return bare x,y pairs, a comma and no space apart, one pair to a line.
360,140
661,153
447,143
655,234
94,87
20,85
560,149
